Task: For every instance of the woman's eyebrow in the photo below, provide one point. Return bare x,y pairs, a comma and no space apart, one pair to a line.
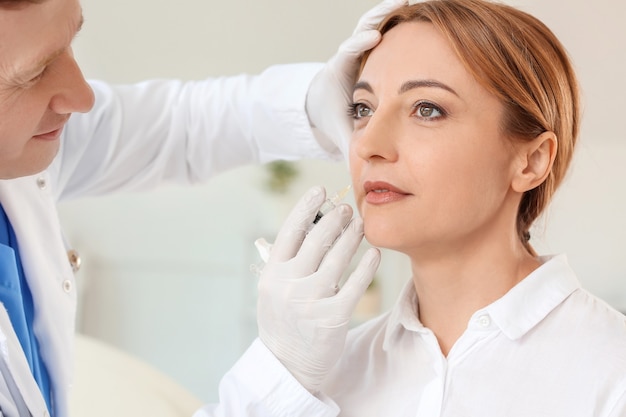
363,85
407,86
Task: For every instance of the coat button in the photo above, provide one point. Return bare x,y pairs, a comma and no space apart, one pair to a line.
74,258
67,285
42,183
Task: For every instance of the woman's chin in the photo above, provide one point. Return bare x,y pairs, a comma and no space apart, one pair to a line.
382,237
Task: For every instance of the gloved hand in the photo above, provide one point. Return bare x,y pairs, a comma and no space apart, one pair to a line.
330,92
302,315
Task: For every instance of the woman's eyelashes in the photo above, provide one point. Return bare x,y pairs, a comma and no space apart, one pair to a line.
424,110
358,111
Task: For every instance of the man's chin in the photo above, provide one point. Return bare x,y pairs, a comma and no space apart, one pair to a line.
22,168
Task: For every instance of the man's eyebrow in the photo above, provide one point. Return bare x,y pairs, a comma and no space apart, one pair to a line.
406,86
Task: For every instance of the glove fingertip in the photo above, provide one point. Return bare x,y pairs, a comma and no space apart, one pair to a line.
264,248
374,16
362,276
293,230
370,259
361,41
314,193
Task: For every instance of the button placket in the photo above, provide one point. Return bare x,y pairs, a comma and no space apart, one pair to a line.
42,183
75,260
67,285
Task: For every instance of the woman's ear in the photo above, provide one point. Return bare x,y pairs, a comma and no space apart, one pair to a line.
535,161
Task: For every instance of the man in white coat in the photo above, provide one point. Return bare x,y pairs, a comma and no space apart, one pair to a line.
136,137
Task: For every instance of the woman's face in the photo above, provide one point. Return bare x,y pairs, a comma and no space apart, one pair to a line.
430,166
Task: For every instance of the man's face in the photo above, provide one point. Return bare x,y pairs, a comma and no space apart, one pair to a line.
40,83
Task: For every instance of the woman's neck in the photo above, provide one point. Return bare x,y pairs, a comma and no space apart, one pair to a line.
453,285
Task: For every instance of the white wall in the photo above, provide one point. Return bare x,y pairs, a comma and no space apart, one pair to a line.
166,274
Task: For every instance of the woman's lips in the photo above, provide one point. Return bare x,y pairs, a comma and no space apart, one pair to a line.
379,192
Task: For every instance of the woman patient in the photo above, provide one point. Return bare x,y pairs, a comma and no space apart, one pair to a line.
465,120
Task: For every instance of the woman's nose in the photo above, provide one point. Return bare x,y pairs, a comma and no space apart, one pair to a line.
73,93
376,140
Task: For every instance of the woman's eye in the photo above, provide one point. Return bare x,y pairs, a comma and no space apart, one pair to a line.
359,110
428,111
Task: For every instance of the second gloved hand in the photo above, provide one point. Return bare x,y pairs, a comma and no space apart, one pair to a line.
302,315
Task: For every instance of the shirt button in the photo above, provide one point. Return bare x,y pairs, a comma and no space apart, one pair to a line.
42,183
67,285
75,260
484,320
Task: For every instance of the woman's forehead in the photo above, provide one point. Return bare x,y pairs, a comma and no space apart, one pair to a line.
415,51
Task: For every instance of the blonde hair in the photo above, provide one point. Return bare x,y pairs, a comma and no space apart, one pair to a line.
519,60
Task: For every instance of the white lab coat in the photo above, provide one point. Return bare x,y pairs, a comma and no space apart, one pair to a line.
136,137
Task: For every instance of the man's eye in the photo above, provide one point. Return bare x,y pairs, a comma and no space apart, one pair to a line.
31,82
36,78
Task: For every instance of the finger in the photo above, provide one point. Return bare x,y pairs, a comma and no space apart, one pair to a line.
321,238
353,47
339,256
356,284
294,229
347,61
374,16
264,248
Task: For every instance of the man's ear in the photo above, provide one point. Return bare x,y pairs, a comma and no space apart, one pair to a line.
535,161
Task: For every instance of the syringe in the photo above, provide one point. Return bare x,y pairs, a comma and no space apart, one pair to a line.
331,203
264,247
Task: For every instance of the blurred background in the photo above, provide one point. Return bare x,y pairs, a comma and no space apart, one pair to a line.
166,275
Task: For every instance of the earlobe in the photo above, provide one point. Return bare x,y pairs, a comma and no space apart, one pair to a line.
536,159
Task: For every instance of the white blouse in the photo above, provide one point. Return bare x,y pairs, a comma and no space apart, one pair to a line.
546,348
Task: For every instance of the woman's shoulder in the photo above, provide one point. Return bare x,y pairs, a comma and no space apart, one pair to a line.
593,323
595,310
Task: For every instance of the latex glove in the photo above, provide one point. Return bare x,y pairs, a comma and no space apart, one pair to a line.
302,315
330,92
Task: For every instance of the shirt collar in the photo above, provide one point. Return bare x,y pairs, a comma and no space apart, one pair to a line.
533,298
403,315
515,313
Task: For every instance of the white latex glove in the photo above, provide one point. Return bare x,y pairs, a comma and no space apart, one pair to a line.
302,315
330,92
